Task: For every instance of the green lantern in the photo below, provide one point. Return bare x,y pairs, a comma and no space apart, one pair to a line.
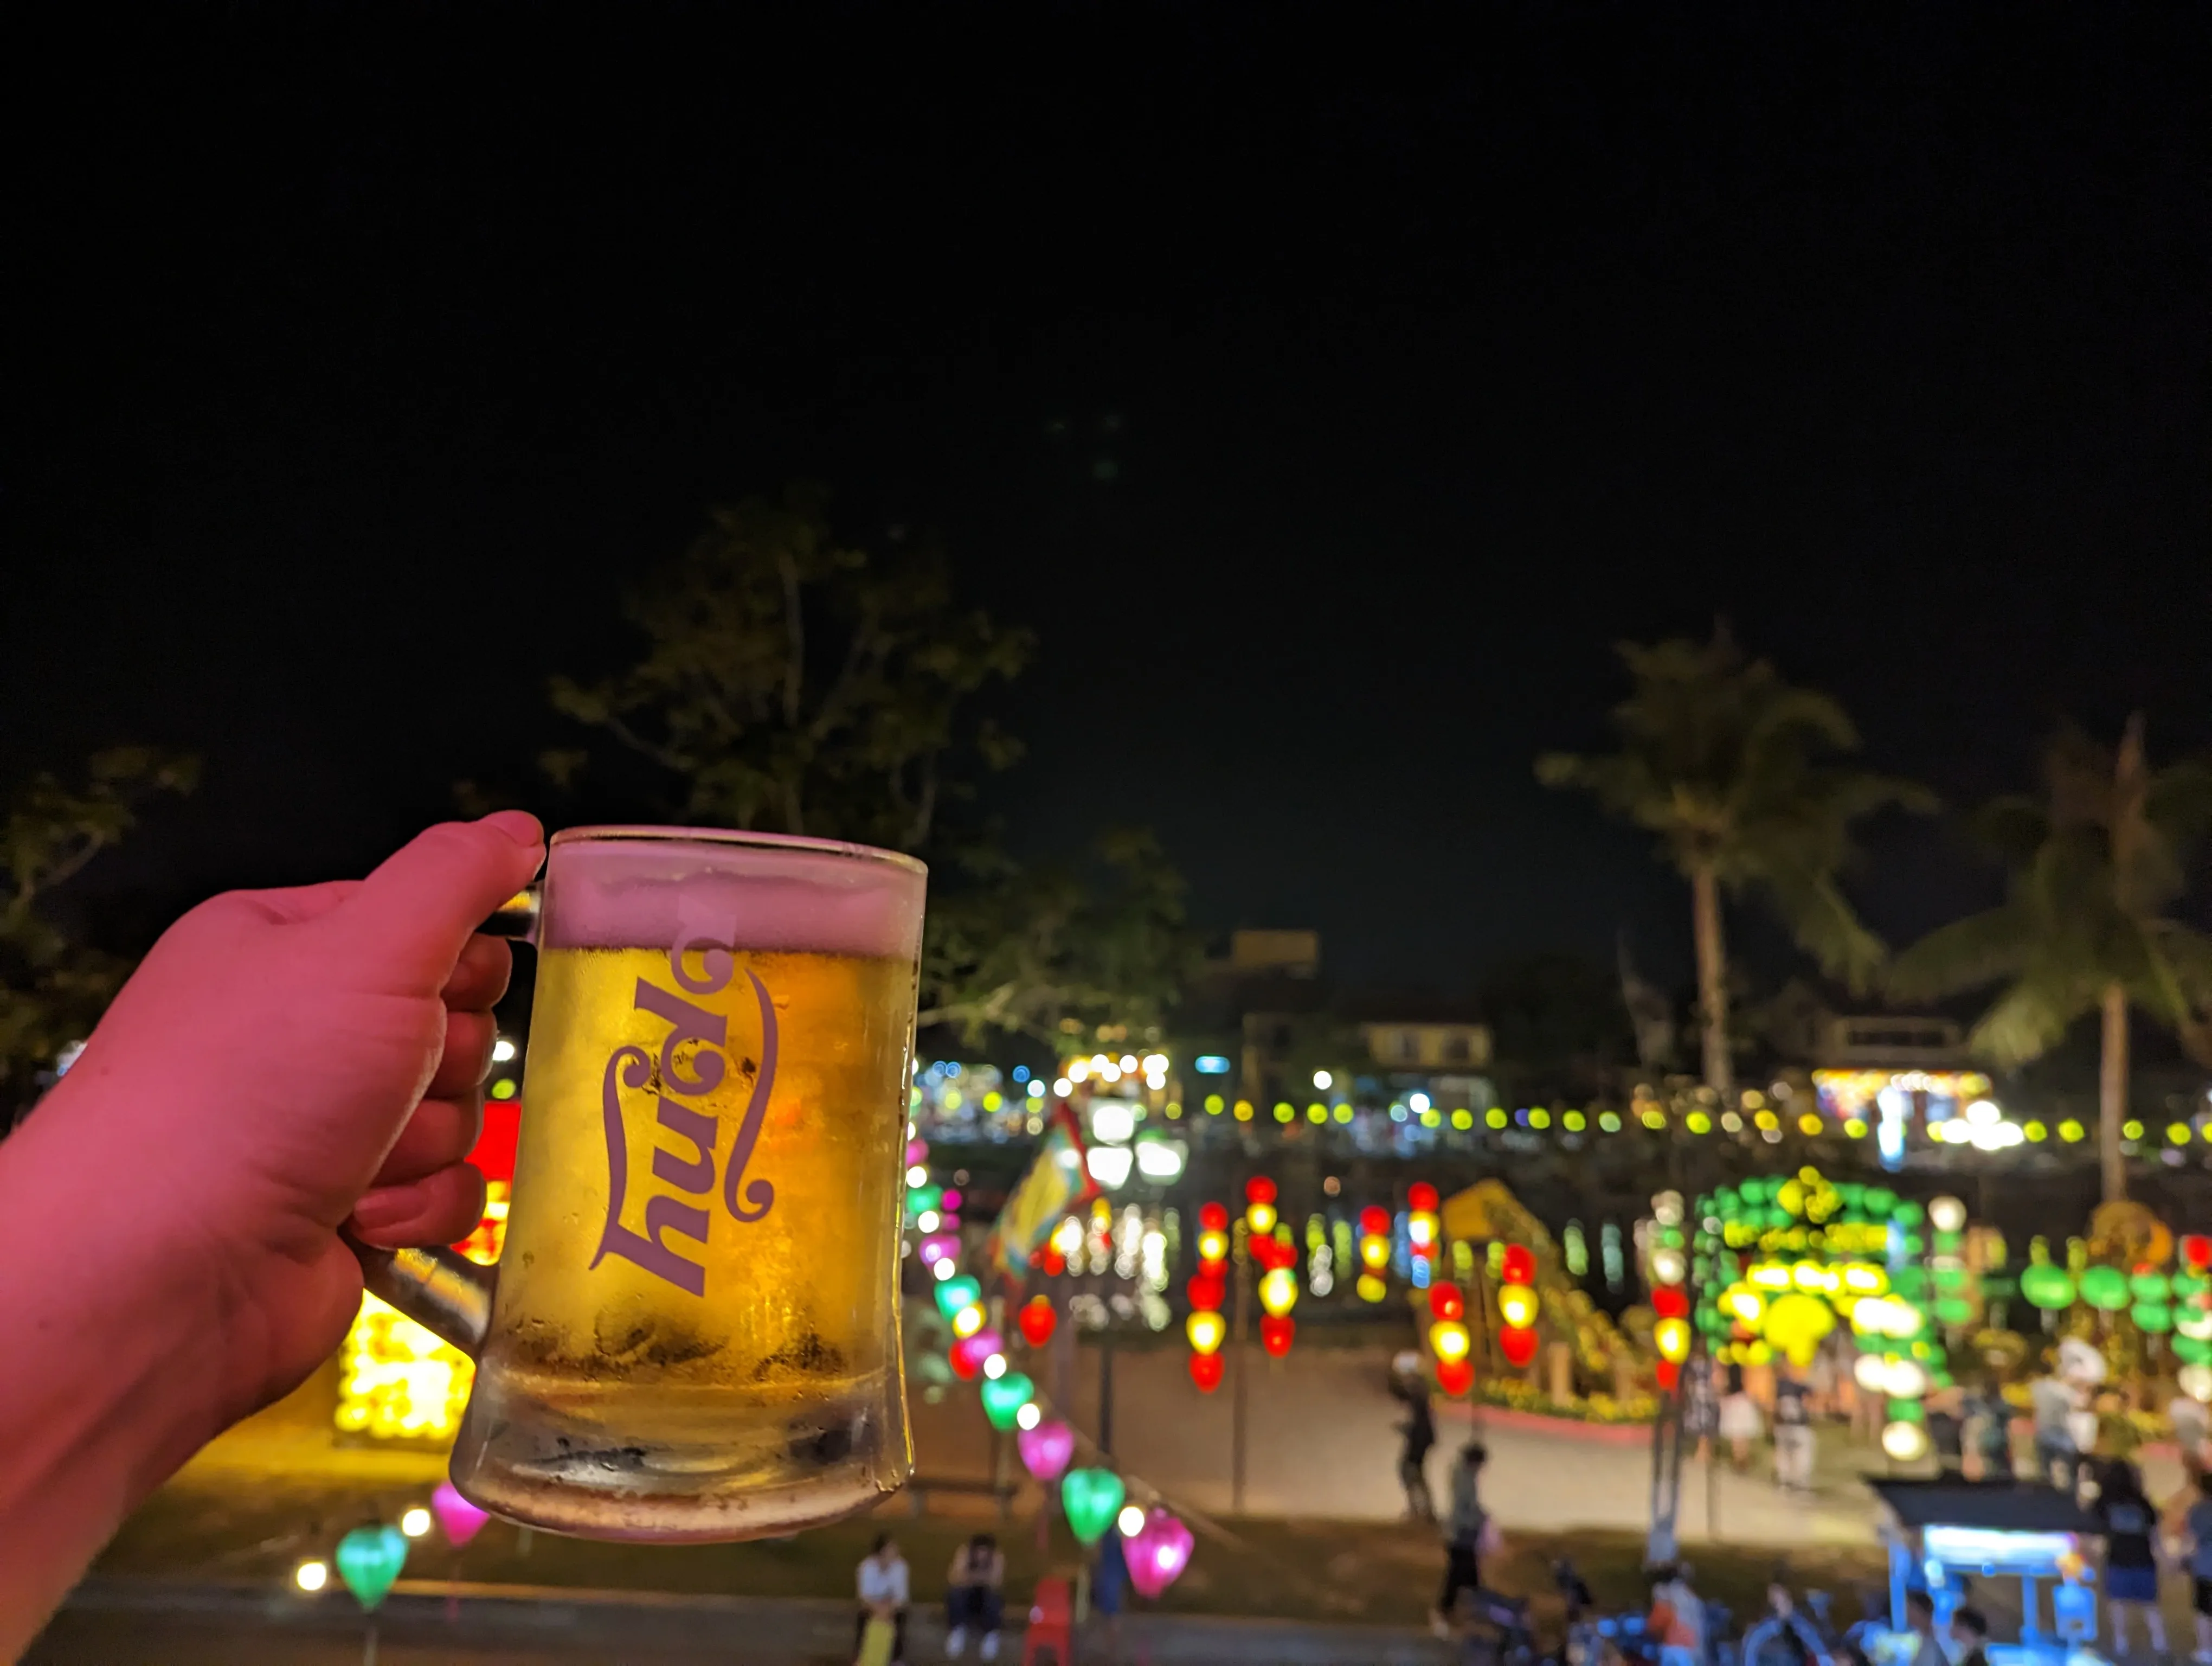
2105,1288
2046,1287
1092,1498
954,1294
1954,1310
919,1198
2150,1285
2189,1284
1005,1396
369,1559
2192,1350
2155,1317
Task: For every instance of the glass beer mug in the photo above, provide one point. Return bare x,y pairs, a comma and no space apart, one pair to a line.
693,1331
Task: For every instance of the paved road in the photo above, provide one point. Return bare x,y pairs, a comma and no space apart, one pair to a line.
1320,1442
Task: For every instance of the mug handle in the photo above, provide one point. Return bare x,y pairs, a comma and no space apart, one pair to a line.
441,1289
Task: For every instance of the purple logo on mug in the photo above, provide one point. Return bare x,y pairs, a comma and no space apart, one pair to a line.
694,1177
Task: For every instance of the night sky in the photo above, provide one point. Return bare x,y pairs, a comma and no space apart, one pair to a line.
360,354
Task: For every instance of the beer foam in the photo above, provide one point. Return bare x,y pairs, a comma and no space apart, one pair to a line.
656,887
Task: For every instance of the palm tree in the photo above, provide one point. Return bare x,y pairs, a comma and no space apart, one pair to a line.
1727,764
2082,929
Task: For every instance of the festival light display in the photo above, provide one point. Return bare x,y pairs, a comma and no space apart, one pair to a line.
1784,1259
1208,1289
1666,1270
1037,1321
1374,1254
1449,1339
1277,1290
1259,1206
1517,1306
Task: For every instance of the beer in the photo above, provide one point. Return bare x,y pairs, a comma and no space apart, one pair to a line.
696,1330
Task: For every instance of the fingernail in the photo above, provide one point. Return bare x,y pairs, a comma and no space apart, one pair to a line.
519,825
386,1206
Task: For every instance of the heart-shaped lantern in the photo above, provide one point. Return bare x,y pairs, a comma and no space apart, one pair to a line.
1038,1320
954,1294
1047,1448
369,1559
1005,1396
1158,1553
1092,1498
1205,1372
461,1520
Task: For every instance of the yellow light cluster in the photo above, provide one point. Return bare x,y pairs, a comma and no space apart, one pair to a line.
397,1381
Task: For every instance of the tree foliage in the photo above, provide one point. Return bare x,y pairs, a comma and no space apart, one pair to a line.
1053,952
53,988
796,684
1734,771
2095,864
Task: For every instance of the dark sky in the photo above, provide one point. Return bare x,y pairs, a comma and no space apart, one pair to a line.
360,354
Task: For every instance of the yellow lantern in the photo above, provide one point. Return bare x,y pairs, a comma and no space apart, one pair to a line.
1907,1443
1769,1276
1375,1253
1672,1338
1796,1324
1813,1278
1279,1291
1742,1302
1206,1331
968,1319
1371,1288
1449,1341
1260,1218
1865,1278
1421,1228
1517,1305
1213,1246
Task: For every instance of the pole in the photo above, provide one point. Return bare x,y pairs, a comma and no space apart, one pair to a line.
1106,1390
369,1646
1236,1400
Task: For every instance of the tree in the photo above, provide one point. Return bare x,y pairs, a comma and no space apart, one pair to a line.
797,685
1054,952
2083,927
1730,767
52,988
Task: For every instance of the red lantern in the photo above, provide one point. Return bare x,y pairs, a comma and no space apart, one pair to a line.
1037,1320
964,1364
1205,1372
1275,1333
1455,1377
1272,1253
1206,1290
1212,1218
1259,1189
1421,1197
1445,1302
1054,1262
1669,1374
1518,1266
2196,1251
1519,1347
1374,1222
1670,1301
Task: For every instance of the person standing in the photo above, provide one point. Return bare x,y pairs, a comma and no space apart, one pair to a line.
2193,1426
880,1582
1920,1620
2057,1459
1464,1531
1740,1423
1970,1630
1793,1433
1701,1400
1989,1430
974,1595
2196,1529
2130,1530
1419,1438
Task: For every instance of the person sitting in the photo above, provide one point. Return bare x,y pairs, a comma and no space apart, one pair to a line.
1676,1622
974,1595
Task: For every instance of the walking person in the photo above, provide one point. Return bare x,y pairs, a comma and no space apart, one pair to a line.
880,1582
1970,1631
1793,1432
1676,1619
1740,1423
2130,1530
974,1596
1989,1430
1466,1530
2057,1459
1419,1433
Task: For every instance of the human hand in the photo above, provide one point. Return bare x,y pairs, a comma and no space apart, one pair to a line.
285,1061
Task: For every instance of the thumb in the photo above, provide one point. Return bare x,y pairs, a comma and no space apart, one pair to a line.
415,913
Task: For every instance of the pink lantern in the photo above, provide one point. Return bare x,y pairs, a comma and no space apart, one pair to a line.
462,1520
979,1348
1158,1553
917,1153
937,1246
1047,1448
951,1201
